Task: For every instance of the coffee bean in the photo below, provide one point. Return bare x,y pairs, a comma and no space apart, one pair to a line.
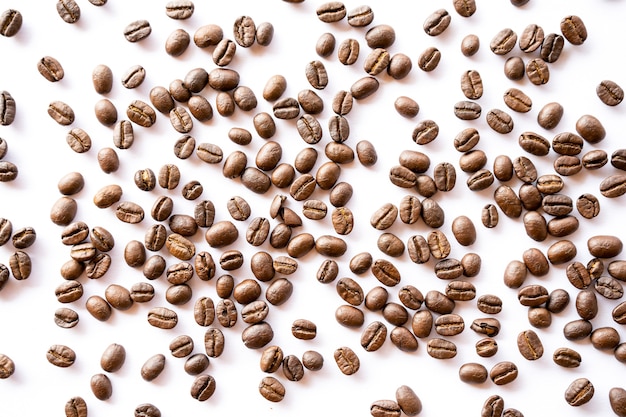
465,8
488,326
377,61
503,373
347,361
141,113
610,93
348,51
617,399
444,175
65,318
422,323
10,22
203,387
429,59
380,36
551,47
441,348
462,291
360,16
508,201
494,404
264,33
432,213
467,110
489,304
579,392
101,387
486,347
529,345
489,216
472,161
123,135
59,111
537,71
517,100
499,121
272,389
473,373
61,356
162,318
113,358
503,42
76,407
364,87
437,22
50,68
137,30
437,302
68,10
577,329
470,44
374,336
472,84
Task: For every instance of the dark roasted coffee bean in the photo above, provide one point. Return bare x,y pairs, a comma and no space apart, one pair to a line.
573,29
529,345
499,121
587,304
594,159
579,392
610,93
604,246
437,22
567,143
489,216
503,42
514,68
508,201
380,36
432,213
566,357
613,186
590,128
438,302
444,175
180,92
203,387
262,266
577,329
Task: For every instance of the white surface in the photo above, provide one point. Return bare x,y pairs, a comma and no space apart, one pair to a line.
37,145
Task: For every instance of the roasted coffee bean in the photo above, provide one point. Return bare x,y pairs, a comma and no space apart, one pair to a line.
577,329
257,335
587,304
604,338
573,29
604,246
374,336
123,134
617,399
551,47
402,176
99,308
562,226
467,110
529,345
550,115
561,252
310,101
566,357
594,159
145,179
489,304
292,368
444,175
517,100
590,128
465,8
494,405
472,84
68,10
360,16
579,392
348,51
244,31
473,373
499,121
303,329
503,42
10,22
349,316
406,106
613,186
246,291
141,113
66,318
503,373
342,219
264,33
537,71
50,68
486,347
567,143
137,30
203,387
377,61
101,387
400,65
488,326
226,313
106,113
330,246
508,201
61,356
272,389
279,291
59,111
567,165
438,244
410,209
473,161
76,406
438,302
316,74
432,213
489,216
208,35
347,361
331,12
429,59
327,175
609,287
8,171
470,45
610,93
422,323
113,357
364,87
449,324
380,36
535,225
441,348
134,76
437,22
418,248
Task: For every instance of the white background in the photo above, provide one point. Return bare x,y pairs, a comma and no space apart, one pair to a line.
37,146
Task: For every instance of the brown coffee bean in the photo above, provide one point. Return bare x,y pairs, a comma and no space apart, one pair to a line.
537,71
441,348
438,302
437,22
349,316
579,392
422,323
473,373
403,339
347,361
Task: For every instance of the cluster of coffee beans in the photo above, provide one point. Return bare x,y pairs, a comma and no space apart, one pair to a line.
303,222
